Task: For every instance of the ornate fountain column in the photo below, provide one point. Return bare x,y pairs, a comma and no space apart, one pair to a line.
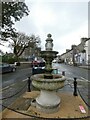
48,101
49,55
49,47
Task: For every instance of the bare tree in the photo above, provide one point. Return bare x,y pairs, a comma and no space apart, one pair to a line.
11,13
23,41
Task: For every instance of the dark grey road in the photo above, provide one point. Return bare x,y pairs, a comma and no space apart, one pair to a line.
15,77
13,85
71,71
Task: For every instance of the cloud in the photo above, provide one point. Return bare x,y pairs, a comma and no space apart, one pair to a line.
43,16
5,48
66,21
65,42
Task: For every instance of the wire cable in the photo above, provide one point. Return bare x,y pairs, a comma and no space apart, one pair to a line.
33,116
42,118
80,95
37,117
15,93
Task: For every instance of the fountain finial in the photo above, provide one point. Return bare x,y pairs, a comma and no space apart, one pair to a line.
49,35
49,43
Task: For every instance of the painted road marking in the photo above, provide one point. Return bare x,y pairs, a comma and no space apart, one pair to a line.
81,79
10,86
4,88
24,80
85,79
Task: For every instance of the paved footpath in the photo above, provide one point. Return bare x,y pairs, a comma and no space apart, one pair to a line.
69,108
69,104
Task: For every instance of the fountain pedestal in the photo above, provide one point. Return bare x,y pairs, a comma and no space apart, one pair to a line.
48,101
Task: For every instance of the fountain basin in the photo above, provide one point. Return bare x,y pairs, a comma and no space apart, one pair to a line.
48,54
48,101
39,82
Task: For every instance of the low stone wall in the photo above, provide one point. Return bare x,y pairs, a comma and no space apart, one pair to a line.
24,65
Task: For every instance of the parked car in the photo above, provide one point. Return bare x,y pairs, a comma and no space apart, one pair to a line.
38,67
4,68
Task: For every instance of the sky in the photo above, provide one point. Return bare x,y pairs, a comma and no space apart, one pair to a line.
67,22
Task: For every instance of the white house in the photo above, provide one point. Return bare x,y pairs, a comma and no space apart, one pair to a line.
87,48
79,54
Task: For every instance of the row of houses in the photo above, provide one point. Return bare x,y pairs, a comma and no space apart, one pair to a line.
78,54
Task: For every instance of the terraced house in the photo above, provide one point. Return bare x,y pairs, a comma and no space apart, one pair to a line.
77,55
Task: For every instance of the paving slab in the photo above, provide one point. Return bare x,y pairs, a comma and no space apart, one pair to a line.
69,108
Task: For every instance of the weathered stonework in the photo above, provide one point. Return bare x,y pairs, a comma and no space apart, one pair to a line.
48,83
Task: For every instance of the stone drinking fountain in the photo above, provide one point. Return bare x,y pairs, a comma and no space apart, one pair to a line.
48,101
45,103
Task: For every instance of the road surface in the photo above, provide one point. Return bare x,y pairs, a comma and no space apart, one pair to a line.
13,85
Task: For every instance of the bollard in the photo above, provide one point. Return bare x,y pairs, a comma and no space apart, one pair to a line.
75,87
63,73
29,83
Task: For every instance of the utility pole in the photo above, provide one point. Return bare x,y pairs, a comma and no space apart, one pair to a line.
73,54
